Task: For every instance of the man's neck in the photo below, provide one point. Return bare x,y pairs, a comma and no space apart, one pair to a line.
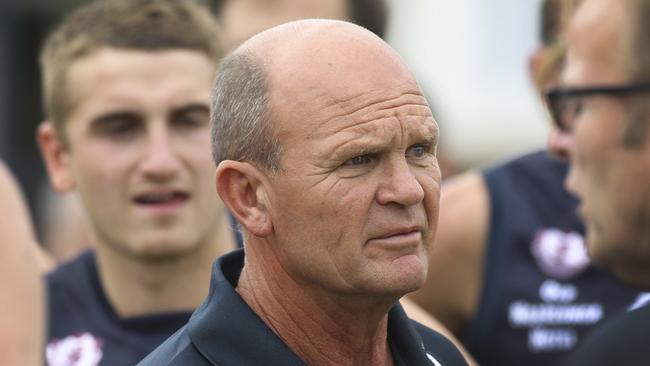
320,329
137,287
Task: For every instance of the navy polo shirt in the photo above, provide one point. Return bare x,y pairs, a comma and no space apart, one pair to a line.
226,331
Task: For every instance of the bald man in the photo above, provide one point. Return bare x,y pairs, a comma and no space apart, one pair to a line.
326,154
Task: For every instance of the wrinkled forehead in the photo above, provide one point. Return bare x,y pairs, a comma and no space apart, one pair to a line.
395,117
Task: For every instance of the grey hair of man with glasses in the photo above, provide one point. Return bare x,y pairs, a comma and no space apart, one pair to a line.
601,109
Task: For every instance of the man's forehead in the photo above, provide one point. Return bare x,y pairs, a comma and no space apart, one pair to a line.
128,78
597,23
318,70
373,117
321,49
332,70
330,108
595,47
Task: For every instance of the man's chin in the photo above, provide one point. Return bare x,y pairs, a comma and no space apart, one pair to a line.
604,256
159,251
408,274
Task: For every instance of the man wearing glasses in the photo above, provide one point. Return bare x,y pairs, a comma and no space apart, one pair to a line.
601,110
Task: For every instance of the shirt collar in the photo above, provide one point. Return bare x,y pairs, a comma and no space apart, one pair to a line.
225,330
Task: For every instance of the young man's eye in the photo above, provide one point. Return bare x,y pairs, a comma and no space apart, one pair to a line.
116,125
193,116
120,127
191,120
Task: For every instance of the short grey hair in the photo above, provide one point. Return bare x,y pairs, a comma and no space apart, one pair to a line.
241,115
636,59
637,40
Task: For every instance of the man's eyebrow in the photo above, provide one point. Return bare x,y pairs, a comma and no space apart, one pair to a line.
107,117
432,135
191,108
356,147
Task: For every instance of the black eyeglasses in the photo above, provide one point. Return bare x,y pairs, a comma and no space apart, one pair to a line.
565,103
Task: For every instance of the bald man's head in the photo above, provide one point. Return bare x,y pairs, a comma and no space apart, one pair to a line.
279,80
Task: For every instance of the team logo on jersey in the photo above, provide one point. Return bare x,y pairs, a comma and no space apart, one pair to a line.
559,254
81,349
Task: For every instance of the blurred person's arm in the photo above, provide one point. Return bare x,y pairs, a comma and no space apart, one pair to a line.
451,292
421,316
22,307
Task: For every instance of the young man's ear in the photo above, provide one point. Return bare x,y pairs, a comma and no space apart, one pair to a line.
241,187
55,156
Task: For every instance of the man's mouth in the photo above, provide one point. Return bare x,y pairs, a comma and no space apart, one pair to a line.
161,199
399,232
398,238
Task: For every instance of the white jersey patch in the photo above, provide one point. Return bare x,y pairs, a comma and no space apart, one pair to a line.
75,350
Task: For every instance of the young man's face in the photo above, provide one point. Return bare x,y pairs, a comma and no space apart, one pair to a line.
139,150
612,179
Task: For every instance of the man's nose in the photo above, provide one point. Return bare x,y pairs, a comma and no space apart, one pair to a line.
559,143
400,185
571,181
161,161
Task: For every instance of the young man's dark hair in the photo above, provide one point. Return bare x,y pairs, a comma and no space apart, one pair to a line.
370,14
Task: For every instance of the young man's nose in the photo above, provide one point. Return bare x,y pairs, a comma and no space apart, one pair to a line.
160,160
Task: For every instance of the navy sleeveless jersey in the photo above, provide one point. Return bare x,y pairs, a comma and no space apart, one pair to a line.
84,329
540,295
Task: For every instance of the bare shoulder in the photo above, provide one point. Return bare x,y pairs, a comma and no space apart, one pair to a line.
452,288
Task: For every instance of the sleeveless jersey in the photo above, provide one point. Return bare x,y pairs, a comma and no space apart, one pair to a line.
83,327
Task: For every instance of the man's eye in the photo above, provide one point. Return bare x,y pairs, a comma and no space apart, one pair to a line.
578,107
570,110
190,117
359,160
418,151
116,126
191,120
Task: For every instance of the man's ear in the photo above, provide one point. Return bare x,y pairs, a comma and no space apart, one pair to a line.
535,62
241,187
55,156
